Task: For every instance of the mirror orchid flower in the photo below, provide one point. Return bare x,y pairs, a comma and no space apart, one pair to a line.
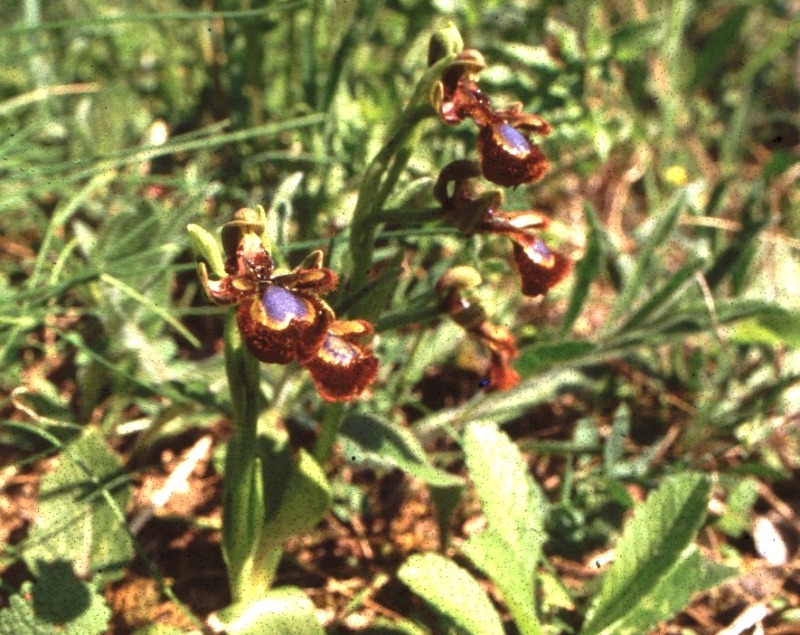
473,210
507,155
455,299
283,318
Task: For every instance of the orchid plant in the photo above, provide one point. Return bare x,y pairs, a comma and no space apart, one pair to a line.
282,318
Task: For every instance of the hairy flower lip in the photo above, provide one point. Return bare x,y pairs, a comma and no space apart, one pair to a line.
509,158
507,155
473,210
343,367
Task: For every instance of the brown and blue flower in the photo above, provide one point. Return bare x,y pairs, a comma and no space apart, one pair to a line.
507,155
472,209
455,290
283,318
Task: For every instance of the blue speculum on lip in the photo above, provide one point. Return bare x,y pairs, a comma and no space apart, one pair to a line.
539,253
336,350
282,306
512,139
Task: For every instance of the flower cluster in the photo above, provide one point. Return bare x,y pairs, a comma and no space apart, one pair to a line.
473,210
282,318
507,155
455,300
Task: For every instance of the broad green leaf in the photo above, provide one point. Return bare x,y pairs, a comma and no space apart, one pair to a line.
62,604
451,591
284,611
514,505
691,574
515,509
587,269
651,544
305,498
75,521
367,437
505,565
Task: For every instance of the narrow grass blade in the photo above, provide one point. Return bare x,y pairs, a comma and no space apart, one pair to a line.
587,269
667,219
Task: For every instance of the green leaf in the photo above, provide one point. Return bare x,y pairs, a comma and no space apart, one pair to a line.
306,498
294,495
587,269
771,328
515,510
741,245
385,626
57,603
284,611
503,564
504,406
662,298
536,358
633,40
205,246
737,516
75,521
614,448
451,591
375,295
651,544
713,53
514,505
368,438
674,591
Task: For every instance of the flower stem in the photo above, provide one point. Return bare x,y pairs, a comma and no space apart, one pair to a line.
385,169
331,422
242,514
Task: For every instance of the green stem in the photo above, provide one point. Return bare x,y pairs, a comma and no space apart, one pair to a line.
331,422
242,515
383,171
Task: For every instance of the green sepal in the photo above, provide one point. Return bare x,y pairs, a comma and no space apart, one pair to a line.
206,248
